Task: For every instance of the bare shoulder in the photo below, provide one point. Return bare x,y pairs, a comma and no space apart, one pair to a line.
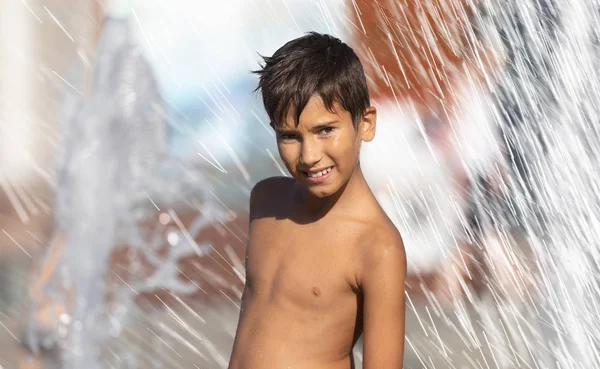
381,250
267,193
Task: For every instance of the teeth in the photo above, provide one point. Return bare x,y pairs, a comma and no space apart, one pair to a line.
319,174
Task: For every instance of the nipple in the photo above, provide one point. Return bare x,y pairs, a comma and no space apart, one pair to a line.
316,291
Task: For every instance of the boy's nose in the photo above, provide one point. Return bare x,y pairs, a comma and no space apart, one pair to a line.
310,154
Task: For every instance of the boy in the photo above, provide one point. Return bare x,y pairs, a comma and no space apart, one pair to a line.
324,263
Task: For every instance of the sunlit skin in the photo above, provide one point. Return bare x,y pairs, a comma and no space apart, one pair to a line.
329,140
324,263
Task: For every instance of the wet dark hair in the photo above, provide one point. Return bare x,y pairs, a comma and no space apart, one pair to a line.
314,64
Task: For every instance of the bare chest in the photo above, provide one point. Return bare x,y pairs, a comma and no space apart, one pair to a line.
299,265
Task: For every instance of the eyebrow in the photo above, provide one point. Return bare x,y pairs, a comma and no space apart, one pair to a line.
324,125
315,128
284,130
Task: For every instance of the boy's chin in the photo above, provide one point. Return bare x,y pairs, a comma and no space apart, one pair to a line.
320,191
320,194
317,190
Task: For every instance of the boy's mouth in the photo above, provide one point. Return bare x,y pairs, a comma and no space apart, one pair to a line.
317,176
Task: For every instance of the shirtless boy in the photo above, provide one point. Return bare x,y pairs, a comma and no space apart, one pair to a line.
324,263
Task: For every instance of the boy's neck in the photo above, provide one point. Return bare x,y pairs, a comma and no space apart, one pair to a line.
319,207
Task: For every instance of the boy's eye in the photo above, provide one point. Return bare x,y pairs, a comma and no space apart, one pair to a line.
326,130
287,136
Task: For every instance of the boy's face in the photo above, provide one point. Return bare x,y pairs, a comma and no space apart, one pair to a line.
322,151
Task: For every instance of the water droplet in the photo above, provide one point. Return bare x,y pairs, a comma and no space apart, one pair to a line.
164,218
173,238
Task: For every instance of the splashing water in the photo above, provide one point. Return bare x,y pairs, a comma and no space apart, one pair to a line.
545,104
551,100
546,110
114,174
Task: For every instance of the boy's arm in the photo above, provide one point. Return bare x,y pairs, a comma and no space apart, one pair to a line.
383,276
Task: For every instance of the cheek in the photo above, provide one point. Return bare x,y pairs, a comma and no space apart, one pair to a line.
289,154
346,151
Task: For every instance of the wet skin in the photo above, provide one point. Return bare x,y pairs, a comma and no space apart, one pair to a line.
324,263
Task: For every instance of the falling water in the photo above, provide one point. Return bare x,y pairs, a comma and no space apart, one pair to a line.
550,104
545,104
114,175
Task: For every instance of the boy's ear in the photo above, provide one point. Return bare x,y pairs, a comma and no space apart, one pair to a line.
368,123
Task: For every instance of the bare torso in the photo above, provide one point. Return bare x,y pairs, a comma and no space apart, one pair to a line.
302,306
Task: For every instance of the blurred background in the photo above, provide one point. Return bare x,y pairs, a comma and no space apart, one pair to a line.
131,136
